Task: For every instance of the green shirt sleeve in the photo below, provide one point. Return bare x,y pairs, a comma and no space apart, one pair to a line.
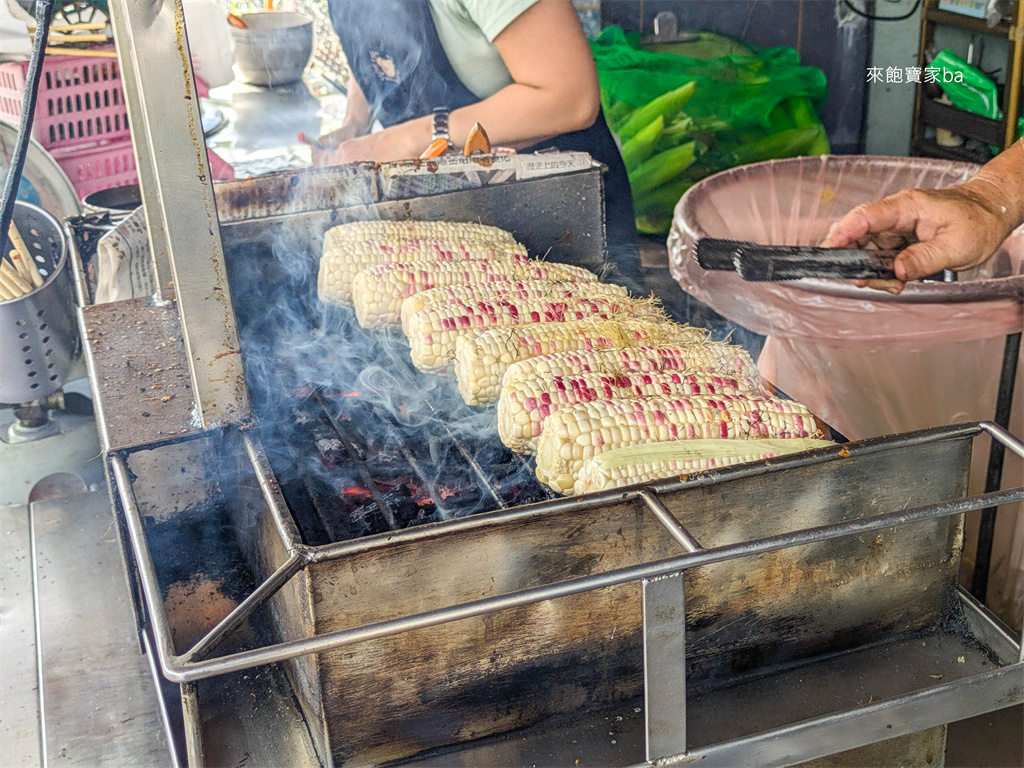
492,16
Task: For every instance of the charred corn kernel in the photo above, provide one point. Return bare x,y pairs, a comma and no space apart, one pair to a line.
654,461
661,419
480,379
469,295
444,325
454,231
524,404
341,263
378,292
708,357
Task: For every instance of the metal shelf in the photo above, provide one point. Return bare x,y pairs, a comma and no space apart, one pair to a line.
969,23
927,112
930,148
959,121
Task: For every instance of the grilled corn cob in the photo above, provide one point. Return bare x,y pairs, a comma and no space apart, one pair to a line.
470,295
433,332
378,292
452,231
708,357
578,432
524,404
482,357
340,265
654,461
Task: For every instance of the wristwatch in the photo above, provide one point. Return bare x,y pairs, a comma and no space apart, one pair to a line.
440,129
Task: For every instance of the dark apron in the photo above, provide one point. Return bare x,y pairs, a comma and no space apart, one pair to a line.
397,58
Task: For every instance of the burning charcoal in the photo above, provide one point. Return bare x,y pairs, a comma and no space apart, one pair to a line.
405,508
368,518
489,454
331,449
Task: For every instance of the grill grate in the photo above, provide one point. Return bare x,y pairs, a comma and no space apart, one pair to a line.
362,442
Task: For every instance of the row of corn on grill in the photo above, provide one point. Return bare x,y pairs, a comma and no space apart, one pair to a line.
601,387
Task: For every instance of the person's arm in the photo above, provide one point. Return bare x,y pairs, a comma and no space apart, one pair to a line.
357,122
954,228
554,91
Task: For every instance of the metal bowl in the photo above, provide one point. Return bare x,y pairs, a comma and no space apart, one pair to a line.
275,48
38,338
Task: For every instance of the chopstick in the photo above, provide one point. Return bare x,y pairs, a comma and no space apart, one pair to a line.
19,274
55,51
95,25
56,38
12,281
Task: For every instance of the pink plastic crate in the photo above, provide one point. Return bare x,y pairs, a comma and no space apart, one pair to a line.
92,168
82,120
80,100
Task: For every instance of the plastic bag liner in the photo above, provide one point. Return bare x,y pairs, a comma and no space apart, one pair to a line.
868,363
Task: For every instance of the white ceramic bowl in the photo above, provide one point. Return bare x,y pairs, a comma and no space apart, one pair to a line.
275,49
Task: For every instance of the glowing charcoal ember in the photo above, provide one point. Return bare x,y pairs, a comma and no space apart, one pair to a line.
524,404
433,332
467,295
482,357
576,433
655,461
378,292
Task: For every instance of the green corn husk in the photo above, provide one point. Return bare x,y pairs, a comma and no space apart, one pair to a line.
679,128
796,141
616,111
641,146
654,223
663,167
667,106
663,198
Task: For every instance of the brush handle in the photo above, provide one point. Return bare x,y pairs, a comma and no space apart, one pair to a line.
760,263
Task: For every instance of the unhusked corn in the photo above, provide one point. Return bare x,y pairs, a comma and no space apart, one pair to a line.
378,292
453,231
481,358
339,265
578,432
469,295
655,461
524,404
707,357
433,332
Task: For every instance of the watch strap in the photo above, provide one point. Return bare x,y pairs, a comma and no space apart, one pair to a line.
440,125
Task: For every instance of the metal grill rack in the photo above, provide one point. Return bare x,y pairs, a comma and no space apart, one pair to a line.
703,602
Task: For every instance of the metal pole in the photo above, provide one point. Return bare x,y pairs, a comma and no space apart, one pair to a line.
179,671
193,726
665,666
994,476
180,207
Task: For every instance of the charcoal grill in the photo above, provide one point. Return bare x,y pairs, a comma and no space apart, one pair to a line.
452,613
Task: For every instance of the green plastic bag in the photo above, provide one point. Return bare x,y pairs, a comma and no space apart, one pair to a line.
966,86
744,106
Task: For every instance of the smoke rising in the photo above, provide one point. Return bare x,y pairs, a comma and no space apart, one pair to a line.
359,440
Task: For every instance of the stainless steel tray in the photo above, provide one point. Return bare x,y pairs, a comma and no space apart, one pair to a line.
780,592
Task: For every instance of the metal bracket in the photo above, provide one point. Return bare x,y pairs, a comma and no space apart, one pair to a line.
177,191
665,665
666,30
